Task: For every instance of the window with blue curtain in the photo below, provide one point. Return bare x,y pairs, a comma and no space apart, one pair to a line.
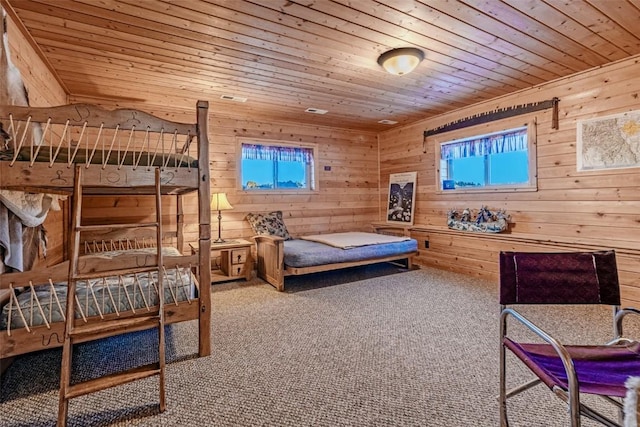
500,159
277,167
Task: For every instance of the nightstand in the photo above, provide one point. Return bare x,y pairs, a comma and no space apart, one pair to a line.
230,260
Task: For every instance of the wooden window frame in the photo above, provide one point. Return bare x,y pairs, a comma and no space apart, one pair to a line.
478,131
313,179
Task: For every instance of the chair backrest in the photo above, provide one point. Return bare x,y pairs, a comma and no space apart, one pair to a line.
559,278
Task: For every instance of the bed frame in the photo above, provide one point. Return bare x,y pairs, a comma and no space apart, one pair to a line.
271,267
105,139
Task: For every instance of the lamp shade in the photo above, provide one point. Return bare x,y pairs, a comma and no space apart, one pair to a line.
219,202
401,61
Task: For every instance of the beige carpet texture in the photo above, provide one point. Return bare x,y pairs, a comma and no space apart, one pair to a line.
371,346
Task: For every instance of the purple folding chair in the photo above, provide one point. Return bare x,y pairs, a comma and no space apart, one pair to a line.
566,278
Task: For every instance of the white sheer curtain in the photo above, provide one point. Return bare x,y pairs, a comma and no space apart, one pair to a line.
283,154
505,142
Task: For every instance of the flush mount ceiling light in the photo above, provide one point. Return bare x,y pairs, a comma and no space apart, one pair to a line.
315,111
401,61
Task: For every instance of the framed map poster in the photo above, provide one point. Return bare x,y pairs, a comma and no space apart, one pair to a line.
609,142
402,197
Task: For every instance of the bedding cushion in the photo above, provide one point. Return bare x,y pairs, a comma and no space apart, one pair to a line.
270,224
301,253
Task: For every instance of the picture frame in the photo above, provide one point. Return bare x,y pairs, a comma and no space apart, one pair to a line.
608,142
402,198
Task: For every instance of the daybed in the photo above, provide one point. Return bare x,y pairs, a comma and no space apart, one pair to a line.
280,255
119,152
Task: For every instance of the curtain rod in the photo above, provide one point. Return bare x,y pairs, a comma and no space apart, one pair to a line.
498,114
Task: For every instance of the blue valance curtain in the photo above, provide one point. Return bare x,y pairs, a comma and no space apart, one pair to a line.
506,142
285,154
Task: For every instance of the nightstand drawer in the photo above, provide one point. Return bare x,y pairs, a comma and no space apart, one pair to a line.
233,270
237,270
234,257
238,256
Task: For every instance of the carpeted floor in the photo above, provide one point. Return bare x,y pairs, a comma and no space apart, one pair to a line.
371,346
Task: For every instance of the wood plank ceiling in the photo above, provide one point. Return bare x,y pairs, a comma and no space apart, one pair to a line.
285,56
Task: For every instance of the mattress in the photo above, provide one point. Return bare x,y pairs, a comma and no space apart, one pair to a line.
304,253
99,296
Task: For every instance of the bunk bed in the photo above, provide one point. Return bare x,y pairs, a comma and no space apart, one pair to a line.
112,152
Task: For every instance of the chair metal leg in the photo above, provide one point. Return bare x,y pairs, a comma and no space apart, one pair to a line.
526,386
502,399
587,411
504,422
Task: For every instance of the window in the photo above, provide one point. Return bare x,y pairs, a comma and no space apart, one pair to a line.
277,166
502,160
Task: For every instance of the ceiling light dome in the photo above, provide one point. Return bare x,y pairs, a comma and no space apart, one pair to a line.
401,61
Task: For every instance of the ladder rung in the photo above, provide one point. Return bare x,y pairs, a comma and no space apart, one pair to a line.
112,380
98,227
101,327
118,272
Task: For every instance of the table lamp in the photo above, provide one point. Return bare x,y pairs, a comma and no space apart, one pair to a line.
220,203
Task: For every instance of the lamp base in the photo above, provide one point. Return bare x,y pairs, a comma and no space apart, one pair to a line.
219,239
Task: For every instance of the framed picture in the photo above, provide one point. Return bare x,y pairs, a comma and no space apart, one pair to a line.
402,197
610,142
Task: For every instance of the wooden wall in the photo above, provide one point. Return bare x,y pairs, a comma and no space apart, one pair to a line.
347,198
570,211
43,91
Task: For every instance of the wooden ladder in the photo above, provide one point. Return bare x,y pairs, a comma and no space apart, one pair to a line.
88,332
